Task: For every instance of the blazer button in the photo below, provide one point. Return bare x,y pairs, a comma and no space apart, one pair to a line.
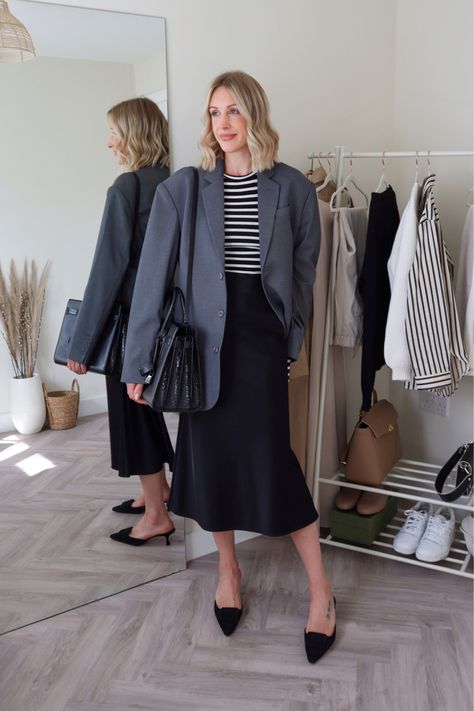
216,349
221,276
220,313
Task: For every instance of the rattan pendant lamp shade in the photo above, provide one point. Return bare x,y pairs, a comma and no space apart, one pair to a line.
15,40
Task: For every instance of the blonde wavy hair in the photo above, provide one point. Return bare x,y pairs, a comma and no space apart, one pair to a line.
252,103
142,133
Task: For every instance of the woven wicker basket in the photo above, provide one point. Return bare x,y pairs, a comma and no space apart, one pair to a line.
62,407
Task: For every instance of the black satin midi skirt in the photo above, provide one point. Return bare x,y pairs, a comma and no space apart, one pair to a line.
139,439
234,467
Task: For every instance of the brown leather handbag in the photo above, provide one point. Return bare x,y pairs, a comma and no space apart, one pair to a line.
374,447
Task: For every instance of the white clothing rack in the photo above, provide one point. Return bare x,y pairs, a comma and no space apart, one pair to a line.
409,479
390,154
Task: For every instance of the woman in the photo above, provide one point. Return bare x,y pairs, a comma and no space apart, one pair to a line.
257,241
139,441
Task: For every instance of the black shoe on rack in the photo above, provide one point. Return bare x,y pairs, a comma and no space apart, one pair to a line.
228,618
317,643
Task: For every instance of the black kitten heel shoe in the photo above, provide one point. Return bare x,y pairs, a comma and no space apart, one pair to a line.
124,536
127,508
228,618
317,643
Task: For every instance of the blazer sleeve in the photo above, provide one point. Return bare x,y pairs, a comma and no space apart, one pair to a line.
305,257
111,259
154,279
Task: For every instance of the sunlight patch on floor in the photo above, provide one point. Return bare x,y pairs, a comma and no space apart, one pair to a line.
12,450
35,464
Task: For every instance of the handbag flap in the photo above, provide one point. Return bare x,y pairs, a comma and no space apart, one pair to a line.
381,418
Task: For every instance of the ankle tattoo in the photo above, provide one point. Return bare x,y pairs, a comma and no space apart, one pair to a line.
328,611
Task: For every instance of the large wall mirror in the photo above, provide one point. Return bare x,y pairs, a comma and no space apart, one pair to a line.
56,487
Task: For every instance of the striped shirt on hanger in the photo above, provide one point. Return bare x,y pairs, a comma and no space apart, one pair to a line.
242,241
432,325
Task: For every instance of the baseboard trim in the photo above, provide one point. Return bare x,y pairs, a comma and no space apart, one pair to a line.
199,542
89,406
93,406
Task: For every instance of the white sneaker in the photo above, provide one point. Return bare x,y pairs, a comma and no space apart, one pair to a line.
407,539
438,536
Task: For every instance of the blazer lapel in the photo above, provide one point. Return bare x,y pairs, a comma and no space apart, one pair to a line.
268,194
213,199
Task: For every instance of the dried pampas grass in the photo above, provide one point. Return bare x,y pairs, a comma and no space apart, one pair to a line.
21,313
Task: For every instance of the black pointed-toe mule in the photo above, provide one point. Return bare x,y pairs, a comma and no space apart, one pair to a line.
127,508
124,536
228,618
317,643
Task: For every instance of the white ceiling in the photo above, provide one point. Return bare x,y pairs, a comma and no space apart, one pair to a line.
76,33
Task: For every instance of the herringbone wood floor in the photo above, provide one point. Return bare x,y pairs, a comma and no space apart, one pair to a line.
56,494
404,643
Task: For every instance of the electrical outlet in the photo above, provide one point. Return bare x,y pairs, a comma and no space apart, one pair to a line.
430,402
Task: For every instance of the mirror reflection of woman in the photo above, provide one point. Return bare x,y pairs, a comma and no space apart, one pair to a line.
257,242
139,441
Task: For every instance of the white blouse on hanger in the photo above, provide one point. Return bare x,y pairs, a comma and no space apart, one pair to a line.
397,355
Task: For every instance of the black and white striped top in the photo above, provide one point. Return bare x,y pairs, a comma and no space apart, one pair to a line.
242,241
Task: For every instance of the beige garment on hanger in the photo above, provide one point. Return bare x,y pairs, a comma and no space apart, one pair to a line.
348,248
334,438
305,378
317,177
298,389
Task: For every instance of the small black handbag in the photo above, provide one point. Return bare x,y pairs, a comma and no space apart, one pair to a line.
103,359
174,383
462,459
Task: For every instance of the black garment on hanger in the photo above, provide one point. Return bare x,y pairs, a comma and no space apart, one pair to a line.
374,286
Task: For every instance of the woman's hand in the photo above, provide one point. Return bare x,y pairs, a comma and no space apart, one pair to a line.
78,368
134,391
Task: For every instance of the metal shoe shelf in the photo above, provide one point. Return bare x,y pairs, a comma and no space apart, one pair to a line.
409,481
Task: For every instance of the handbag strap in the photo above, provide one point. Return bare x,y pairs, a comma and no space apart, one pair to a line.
464,473
192,239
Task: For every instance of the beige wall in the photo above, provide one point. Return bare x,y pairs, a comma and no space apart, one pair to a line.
432,110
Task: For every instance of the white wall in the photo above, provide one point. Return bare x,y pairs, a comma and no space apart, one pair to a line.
54,172
434,111
150,74
321,82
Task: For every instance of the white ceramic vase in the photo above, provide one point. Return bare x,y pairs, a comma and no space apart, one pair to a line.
28,409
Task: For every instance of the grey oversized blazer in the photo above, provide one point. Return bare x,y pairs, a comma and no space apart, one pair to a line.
289,248
113,269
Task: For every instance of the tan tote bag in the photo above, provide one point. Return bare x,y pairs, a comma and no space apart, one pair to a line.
374,447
